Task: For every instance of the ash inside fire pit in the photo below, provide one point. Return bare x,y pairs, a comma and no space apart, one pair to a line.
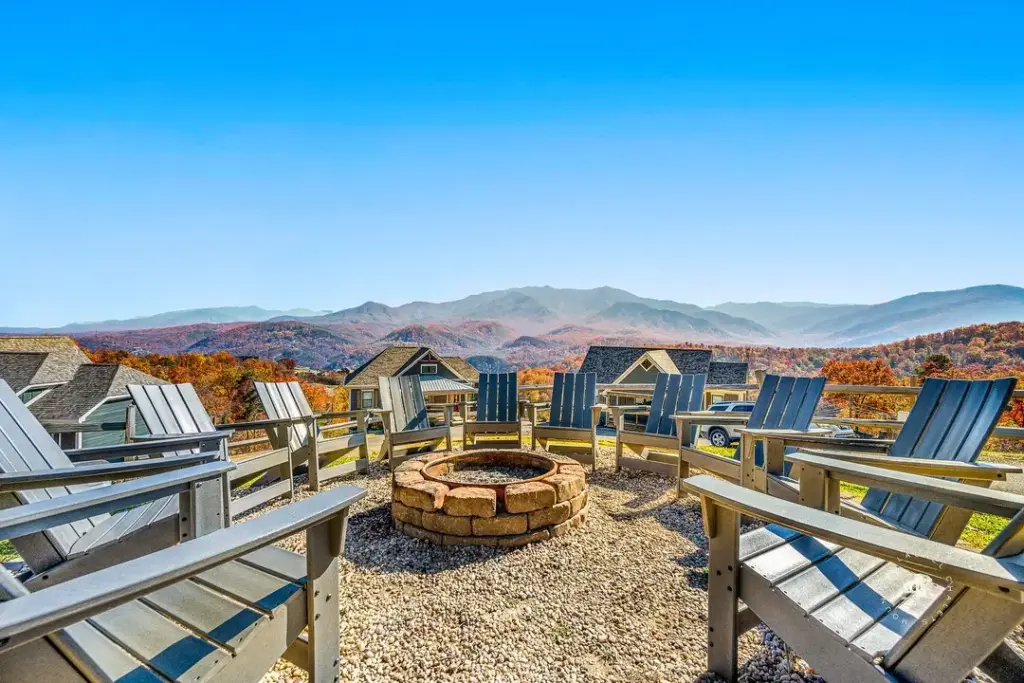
484,473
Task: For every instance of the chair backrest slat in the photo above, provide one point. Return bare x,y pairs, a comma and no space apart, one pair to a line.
661,387
498,397
483,395
502,398
278,399
673,394
783,392
572,397
26,447
579,403
763,402
557,389
951,420
783,403
170,410
406,402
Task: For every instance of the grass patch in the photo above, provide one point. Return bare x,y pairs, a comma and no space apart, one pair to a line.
7,552
724,451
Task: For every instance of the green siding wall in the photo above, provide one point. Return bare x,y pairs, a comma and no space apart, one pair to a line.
30,394
112,411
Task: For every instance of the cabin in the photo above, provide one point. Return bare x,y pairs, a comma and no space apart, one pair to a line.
628,365
34,365
92,409
445,379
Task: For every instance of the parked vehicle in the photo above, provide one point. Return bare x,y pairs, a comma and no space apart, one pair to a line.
723,435
839,431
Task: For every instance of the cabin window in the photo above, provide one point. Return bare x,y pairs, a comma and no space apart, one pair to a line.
66,440
428,369
646,365
368,399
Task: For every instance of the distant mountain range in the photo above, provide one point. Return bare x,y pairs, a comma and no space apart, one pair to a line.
538,325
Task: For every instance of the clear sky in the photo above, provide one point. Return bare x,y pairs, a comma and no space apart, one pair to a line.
158,156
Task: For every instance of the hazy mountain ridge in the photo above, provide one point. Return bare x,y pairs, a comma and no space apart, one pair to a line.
532,325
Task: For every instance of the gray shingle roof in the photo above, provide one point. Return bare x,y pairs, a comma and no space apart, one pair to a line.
394,359
385,364
91,385
609,362
41,359
53,367
722,372
19,369
462,367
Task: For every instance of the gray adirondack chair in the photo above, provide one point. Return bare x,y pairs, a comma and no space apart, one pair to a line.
497,413
862,603
783,404
307,440
947,427
171,410
223,606
574,415
407,428
33,469
673,393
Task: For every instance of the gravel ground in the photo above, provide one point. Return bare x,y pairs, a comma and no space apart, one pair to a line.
621,599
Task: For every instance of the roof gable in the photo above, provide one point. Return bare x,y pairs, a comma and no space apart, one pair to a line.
611,362
19,369
387,363
92,385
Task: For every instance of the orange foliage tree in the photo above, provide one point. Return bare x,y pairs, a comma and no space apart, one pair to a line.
225,383
866,373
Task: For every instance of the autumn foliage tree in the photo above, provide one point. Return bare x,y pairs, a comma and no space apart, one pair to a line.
865,373
225,383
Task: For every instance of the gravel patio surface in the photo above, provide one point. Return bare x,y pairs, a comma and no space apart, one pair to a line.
621,599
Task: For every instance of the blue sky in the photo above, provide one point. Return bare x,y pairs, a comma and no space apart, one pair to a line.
159,156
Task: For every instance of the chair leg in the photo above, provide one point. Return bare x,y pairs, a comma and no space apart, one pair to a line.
618,454
324,544
723,601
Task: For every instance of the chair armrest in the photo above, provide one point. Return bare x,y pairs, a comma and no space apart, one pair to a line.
28,519
942,491
707,417
973,471
33,616
262,424
343,413
87,474
794,435
1003,577
155,447
820,438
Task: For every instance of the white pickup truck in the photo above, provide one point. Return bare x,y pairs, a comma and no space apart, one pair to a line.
723,435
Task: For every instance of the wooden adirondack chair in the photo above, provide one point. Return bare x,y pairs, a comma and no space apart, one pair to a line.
406,424
784,403
223,606
946,430
672,394
497,413
171,410
862,603
285,400
33,469
573,418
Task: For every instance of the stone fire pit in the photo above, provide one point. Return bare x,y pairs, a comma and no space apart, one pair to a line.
497,498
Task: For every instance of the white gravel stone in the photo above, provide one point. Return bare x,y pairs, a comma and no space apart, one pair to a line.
622,598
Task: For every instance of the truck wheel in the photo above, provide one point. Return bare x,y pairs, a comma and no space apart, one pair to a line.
718,437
